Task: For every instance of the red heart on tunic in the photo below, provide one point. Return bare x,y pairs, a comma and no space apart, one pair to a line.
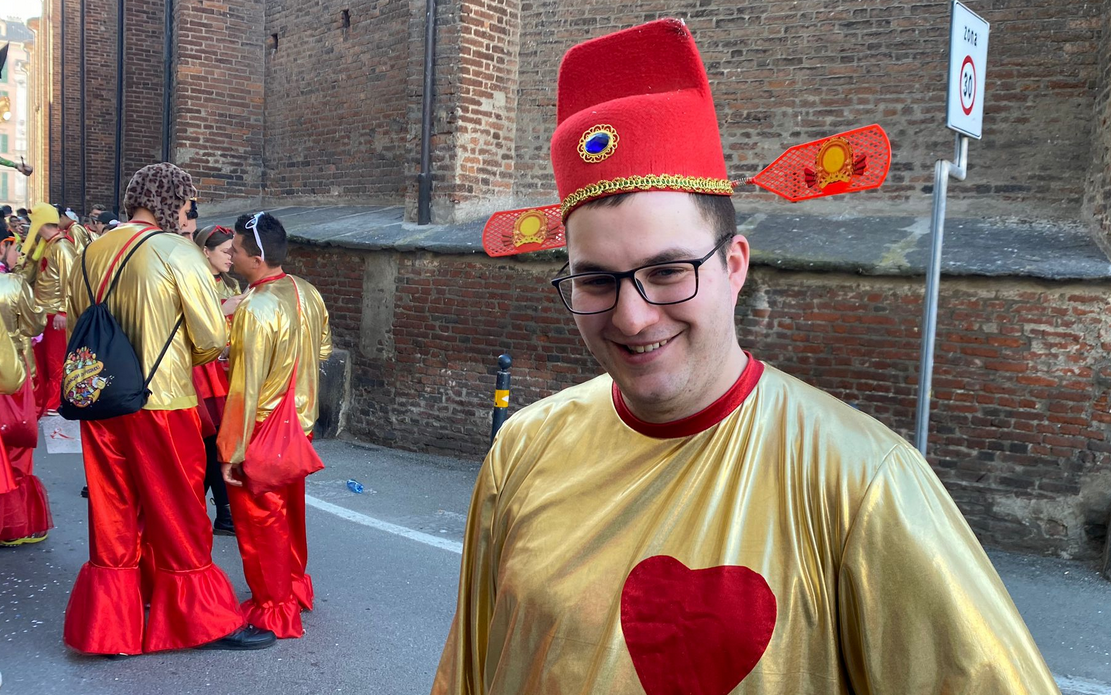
695,632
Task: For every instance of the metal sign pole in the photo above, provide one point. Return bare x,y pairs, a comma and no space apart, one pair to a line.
942,171
968,57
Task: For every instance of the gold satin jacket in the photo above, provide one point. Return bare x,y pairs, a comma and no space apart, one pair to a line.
12,369
82,236
796,546
20,317
226,290
168,278
51,284
267,338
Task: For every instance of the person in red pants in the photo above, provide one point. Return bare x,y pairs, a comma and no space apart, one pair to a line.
58,262
24,508
279,335
146,469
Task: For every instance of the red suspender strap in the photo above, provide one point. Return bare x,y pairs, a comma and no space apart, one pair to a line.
112,267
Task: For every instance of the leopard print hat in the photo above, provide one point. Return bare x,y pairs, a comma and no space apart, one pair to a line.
161,188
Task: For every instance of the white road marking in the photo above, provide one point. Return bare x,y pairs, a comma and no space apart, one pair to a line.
1081,686
418,536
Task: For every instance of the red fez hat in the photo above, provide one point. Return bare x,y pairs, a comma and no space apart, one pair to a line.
635,113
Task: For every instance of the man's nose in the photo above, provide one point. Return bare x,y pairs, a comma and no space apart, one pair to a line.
632,314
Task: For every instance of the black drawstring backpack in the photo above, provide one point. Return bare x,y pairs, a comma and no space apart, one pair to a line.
102,376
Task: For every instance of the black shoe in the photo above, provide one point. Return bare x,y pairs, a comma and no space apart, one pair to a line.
243,639
85,492
223,525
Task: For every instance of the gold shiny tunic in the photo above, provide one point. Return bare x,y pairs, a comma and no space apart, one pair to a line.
12,370
59,262
267,338
82,236
790,545
226,290
168,278
20,317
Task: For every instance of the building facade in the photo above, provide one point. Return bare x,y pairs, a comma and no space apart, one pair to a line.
15,111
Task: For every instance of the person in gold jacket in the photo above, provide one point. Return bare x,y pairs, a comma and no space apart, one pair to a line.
82,235
145,470
25,510
695,520
280,328
211,379
54,270
12,376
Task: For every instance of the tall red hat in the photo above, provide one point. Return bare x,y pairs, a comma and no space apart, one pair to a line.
635,113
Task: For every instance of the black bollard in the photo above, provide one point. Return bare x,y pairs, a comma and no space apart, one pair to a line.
501,396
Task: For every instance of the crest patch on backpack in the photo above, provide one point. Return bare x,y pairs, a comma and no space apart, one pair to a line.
81,378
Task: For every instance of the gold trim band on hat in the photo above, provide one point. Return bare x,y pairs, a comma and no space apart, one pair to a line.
632,184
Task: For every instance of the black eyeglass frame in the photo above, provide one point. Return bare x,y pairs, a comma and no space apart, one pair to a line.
631,275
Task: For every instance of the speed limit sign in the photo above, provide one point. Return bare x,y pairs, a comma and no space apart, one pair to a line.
968,55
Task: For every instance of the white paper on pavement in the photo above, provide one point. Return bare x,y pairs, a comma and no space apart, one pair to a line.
61,436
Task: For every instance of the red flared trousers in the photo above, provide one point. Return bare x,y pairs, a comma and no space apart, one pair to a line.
25,511
270,529
50,356
146,474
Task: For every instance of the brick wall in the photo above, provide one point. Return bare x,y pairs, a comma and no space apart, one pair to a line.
218,96
99,25
1020,425
101,28
1098,199
337,100
143,92
787,72
341,104
38,140
485,99
145,22
52,9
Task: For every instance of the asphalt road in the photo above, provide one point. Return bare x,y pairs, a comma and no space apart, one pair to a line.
385,565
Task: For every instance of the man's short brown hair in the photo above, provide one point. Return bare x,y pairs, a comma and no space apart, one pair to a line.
716,210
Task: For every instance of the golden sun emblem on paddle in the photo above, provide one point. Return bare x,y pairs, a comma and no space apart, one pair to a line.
835,163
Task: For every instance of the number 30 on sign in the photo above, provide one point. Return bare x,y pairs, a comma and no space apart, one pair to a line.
968,56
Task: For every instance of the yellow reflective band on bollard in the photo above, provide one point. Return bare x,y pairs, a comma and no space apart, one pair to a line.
501,399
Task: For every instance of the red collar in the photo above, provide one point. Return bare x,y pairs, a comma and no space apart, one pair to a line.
703,419
63,235
264,281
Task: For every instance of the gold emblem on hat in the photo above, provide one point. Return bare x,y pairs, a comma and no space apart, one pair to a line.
530,228
598,143
835,163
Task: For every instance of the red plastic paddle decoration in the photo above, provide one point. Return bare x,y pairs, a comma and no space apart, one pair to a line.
856,160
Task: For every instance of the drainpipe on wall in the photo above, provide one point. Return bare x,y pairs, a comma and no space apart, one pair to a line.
62,104
119,110
167,77
424,179
84,120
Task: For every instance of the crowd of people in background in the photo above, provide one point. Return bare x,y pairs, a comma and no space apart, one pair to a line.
229,346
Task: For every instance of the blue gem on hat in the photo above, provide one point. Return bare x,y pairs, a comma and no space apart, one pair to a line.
598,143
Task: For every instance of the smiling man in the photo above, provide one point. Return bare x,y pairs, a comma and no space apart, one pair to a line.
695,521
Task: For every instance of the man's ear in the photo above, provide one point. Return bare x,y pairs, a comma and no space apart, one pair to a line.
736,264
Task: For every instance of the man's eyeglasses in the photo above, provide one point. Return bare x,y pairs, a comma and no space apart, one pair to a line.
672,282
